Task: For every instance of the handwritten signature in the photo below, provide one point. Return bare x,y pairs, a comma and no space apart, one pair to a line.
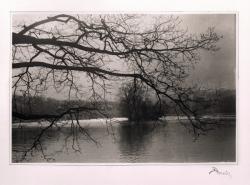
215,170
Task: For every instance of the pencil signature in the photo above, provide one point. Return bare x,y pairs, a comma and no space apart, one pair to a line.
215,170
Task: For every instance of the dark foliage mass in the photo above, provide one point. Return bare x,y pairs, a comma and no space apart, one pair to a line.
136,104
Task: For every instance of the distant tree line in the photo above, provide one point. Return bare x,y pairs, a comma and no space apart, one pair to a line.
222,101
135,105
39,105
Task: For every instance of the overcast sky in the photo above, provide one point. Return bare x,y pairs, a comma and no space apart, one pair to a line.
215,69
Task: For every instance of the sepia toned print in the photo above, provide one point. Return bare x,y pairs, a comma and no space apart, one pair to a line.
123,88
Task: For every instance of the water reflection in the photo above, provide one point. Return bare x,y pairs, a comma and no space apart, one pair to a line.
136,139
147,142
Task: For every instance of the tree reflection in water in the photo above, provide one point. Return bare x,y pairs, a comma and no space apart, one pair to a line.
136,138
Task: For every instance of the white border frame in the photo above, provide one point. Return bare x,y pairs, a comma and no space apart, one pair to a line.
118,163
169,174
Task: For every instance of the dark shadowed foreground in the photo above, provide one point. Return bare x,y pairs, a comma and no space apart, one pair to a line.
167,142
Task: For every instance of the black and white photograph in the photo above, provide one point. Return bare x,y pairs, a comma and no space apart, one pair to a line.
123,88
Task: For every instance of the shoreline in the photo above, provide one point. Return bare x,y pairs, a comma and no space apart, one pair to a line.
105,121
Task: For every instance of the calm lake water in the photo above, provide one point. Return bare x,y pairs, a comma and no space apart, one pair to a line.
168,142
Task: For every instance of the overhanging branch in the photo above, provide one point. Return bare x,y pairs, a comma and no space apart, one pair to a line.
74,68
24,39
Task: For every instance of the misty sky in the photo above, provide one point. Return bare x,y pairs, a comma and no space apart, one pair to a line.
215,69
